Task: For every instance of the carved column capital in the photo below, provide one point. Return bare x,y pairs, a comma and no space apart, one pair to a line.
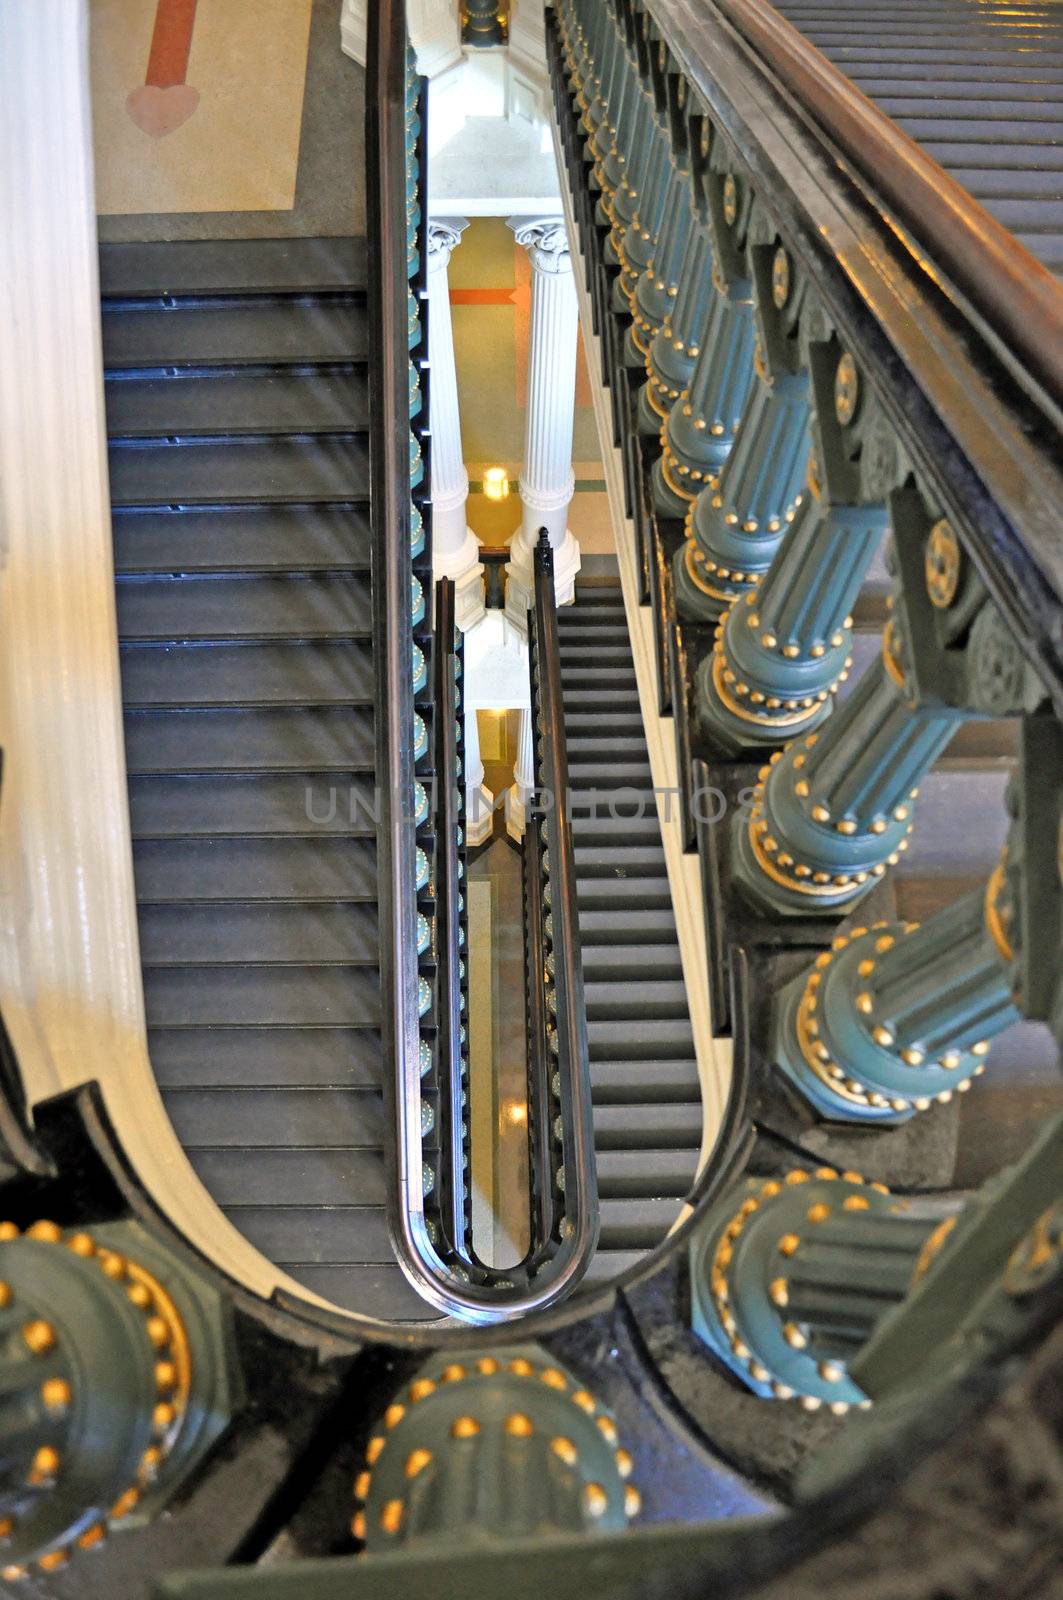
444,233
546,242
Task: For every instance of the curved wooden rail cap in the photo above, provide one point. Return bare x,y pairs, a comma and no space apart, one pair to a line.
1019,298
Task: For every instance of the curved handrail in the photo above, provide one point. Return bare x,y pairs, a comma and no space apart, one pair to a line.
444,1286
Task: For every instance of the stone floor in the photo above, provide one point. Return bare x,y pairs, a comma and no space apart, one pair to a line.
272,148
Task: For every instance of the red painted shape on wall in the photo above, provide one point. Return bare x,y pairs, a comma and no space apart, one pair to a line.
164,100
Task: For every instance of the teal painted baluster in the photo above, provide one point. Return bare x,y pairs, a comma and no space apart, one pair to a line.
700,430
790,1277
674,348
835,808
896,1016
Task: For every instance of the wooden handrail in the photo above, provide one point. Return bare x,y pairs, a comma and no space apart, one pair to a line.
450,1054
581,1184
1019,299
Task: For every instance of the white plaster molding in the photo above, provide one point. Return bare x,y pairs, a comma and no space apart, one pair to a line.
354,25
523,778
70,979
479,801
684,871
434,28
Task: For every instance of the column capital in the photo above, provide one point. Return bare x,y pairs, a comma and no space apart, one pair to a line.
546,242
444,234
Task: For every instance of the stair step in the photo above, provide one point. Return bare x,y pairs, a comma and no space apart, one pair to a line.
287,1119
593,772
623,896
611,860
297,1178
618,963
605,724
576,621
606,1265
233,740
235,403
602,829
258,607
650,999
293,538
178,870
270,996
183,935
585,673
594,658
265,1058
607,698
647,1039
307,804
374,1291
232,266
648,1127
640,927
299,1235
636,1223
631,1082
581,684
303,673
630,746
233,332
249,471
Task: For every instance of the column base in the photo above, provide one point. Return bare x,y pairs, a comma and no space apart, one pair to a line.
479,816
466,572
520,585
516,811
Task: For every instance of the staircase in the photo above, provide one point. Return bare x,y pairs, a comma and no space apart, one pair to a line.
237,418
647,1100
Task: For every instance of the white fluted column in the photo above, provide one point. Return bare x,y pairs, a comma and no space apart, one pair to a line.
479,801
455,548
523,777
547,479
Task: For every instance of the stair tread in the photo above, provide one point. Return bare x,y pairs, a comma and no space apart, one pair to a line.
295,538
311,805
375,1291
648,1126
639,1038
236,403
628,1082
295,673
232,739
189,935
626,1175
283,1118
211,1058
249,471
196,870
261,996
640,926
233,333
220,266
256,607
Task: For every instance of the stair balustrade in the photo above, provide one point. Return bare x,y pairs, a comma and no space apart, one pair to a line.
801,387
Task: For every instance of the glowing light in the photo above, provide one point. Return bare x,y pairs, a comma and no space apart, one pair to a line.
496,483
